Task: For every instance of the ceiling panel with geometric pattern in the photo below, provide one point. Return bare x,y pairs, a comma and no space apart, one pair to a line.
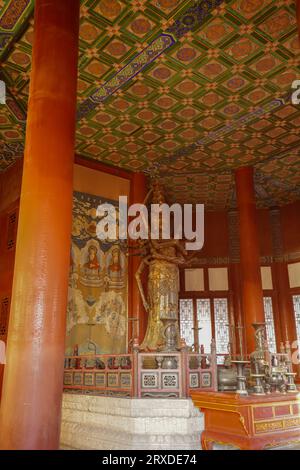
176,87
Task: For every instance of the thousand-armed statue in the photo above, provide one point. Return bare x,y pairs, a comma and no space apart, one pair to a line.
161,300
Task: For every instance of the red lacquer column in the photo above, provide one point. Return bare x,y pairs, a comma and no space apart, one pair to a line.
285,303
235,282
285,306
252,293
138,194
284,317
235,290
32,390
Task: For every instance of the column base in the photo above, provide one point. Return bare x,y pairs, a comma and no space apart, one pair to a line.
108,423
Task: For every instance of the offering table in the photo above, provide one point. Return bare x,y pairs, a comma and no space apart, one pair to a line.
249,422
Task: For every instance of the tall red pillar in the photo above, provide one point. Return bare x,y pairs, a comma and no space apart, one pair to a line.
284,319
138,195
252,293
32,391
285,303
235,297
235,282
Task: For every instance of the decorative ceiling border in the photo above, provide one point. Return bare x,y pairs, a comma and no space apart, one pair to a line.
10,152
12,21
16,109
12,14
190,20
127,73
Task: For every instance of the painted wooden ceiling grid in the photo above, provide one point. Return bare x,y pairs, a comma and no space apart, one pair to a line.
191,89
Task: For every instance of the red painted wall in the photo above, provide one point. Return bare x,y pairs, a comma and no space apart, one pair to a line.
216,235
10,187
290,219
216,239
264,230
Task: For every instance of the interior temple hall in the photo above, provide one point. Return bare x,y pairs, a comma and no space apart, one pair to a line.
110,338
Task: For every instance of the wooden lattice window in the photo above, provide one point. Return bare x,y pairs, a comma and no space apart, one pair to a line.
221,326
204,322
187,321
12,230
296,301
4,316
270,325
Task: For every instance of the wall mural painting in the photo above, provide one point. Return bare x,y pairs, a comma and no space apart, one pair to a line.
98,284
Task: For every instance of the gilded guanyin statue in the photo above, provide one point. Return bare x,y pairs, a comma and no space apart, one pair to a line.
161,301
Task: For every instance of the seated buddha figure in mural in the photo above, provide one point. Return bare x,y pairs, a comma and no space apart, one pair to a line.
91,267
115,267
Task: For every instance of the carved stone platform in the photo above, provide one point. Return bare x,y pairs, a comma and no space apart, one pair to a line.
109,423
249,423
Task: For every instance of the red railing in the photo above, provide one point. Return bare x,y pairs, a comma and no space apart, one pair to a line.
105,374
142,374
160,375
201,371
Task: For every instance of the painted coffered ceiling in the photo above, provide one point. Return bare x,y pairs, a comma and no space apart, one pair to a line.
189,89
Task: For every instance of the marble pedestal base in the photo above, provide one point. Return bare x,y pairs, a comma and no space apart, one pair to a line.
108,423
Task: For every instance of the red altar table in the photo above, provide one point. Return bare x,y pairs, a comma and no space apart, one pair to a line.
251,422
